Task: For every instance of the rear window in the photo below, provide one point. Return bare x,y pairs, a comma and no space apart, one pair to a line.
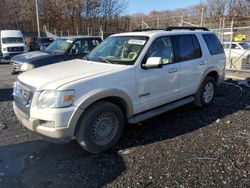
188,47
213,44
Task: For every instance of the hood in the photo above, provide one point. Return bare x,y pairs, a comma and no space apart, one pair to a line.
55,75
30,57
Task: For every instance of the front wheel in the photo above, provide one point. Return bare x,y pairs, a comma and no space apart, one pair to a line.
206,92
100,127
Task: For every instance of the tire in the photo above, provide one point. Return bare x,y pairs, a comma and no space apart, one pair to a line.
100,127
206,92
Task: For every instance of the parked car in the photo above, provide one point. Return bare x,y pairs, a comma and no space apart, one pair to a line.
129,77
12,43
40,43
62,49
239,50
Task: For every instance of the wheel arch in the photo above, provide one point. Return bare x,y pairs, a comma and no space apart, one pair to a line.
212,72
116,96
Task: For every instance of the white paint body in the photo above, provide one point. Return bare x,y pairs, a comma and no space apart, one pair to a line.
157,86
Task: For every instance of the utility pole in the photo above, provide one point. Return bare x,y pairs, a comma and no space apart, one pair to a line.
37,20
181,24
223,26
220,28
232,35
231,41
202,16
158,22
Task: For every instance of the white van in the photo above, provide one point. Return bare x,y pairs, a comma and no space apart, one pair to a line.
12,43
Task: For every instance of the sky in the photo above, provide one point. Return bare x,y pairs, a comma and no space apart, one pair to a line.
146,6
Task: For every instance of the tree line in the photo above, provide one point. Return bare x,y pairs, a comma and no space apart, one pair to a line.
63,15
89,16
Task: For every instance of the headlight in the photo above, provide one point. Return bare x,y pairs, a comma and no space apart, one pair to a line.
56,99
26,67
15,88
4,49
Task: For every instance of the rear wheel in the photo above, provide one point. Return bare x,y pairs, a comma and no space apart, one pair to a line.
100,127
206,92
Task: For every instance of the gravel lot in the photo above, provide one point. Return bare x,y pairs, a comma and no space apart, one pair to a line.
187,147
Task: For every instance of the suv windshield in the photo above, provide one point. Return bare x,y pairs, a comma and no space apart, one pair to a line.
59,46
119,50
9,40
245,46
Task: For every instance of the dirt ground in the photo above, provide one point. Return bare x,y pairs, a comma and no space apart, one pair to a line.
187,147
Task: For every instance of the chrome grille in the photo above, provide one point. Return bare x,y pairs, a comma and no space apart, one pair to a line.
15,65
15,49
23,95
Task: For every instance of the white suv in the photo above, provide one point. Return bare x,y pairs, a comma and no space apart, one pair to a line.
129,77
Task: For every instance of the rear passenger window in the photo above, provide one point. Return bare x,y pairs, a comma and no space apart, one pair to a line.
188,47
213,44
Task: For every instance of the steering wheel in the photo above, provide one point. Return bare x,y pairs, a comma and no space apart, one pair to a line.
124,51
132,55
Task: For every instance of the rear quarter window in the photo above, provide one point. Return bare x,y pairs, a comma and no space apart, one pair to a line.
213,44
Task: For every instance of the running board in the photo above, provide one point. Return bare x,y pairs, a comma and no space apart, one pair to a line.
160,110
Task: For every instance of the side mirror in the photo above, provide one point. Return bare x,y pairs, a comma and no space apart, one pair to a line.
153,63
72,52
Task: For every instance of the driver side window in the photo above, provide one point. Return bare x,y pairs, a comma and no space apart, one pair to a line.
162,47
81,46
78,47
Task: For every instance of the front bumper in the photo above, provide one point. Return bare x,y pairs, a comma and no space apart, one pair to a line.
36,125
9,55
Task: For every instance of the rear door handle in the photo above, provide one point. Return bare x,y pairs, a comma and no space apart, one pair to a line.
172,70
203,63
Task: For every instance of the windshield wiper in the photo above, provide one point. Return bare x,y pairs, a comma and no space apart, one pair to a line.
49,52
104,60
85,58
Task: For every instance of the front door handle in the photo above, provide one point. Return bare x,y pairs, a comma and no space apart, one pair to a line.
172,70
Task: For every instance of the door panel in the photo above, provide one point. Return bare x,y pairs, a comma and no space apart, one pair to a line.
159,86
192,63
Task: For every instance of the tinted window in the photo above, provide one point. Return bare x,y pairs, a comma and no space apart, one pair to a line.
95,42
213,44
244,45
162,47
9,40
81,46
226,46
45,40
234,46
187,47
197,47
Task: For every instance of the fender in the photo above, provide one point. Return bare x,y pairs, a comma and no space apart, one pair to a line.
97,95
210,69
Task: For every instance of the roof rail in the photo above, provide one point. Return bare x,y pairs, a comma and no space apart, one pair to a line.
186,28
140,30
